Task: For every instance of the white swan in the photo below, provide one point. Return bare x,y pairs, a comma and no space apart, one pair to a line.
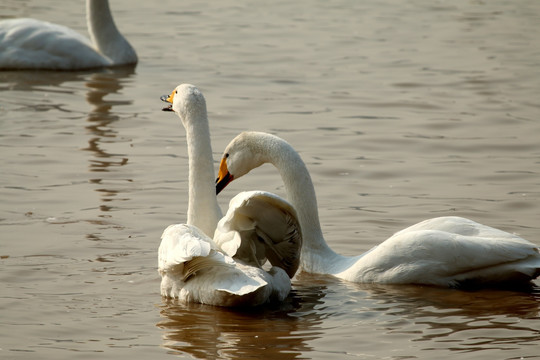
33,44
226,270
445,251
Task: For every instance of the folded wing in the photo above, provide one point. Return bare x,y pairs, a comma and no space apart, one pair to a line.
261,226
452,251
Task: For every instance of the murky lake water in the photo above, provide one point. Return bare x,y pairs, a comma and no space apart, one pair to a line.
402,110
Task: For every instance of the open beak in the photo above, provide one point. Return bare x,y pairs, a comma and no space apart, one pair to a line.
168,99
224,176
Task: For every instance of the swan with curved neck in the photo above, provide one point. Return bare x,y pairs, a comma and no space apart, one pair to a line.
445,251
258,226
32,44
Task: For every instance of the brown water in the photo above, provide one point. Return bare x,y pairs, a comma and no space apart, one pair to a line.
402,110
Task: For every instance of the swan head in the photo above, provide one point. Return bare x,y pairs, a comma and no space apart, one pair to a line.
186,101
245,152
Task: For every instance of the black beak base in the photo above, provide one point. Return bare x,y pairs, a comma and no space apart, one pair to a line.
222,184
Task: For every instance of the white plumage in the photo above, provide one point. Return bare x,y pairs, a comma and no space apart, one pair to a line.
259,226
446,251
194,269
33,44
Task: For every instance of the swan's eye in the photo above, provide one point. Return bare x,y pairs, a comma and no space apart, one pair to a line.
176,91
226,156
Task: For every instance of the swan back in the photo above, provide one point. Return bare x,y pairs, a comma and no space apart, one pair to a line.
33,44
194,270
462,253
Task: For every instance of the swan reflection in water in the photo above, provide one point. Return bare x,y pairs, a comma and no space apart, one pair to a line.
321,306
281,331
100,118
101,128
499,319
92,130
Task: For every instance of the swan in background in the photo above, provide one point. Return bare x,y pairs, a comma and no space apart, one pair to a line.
259,226
33,44
444,251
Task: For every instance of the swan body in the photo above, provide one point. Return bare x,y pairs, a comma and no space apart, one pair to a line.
194,269
226,270
445,251
33,44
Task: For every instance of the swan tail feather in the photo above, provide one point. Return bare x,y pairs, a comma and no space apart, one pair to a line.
181,243
197,264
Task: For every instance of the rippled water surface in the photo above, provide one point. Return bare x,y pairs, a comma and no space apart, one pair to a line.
402,110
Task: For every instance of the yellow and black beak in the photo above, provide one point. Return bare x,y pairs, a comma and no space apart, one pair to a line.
168,99
224,177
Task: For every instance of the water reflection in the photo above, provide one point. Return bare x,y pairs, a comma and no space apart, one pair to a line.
504,319
413,299
100,118
100,127
321,304
93,131
100,84
279,332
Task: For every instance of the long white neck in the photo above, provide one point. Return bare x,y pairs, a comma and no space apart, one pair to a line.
316,255
105,36
203,209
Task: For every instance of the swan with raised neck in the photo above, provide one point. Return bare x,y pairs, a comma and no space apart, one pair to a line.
258,225
225,270
203,208
105,35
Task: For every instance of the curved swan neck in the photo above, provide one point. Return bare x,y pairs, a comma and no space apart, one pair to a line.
301,194
203,208
104,34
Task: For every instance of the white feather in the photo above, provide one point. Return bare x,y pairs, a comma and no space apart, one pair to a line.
226,271
33,44
445,251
